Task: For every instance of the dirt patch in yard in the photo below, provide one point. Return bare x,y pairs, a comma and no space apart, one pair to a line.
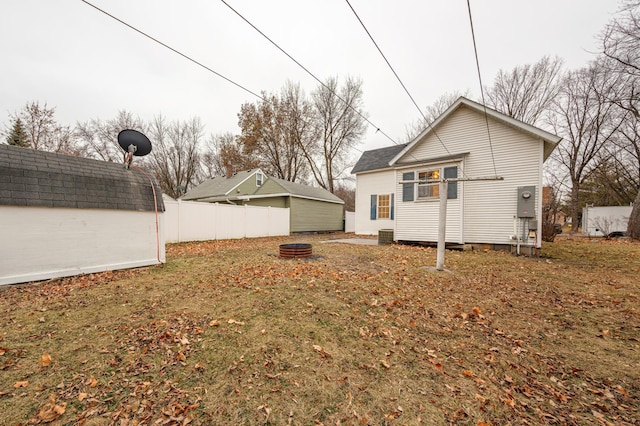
226,332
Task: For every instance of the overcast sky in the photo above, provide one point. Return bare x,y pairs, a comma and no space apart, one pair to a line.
87,65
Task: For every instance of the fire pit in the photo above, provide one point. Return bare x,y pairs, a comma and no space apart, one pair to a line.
289,251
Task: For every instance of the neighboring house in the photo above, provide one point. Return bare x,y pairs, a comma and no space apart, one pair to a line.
64,215
311,208
456,145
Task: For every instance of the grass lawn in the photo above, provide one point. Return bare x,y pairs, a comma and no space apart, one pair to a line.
227,333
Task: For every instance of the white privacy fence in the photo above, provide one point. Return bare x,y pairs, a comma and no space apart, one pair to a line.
195,221
349,221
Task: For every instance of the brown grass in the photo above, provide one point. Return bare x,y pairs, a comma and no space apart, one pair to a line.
227,333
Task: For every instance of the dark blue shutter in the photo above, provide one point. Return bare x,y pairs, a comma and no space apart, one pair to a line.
374,207
407,188
451,173
391,206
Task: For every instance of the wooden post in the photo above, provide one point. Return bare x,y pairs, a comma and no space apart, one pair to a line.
442,224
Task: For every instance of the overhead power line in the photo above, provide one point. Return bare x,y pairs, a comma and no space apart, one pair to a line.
400,80
187,57
307,71
486,118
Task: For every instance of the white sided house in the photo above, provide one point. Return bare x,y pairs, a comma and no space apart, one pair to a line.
63,215
496,213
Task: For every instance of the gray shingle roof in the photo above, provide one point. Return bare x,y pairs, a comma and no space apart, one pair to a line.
377,158
46,179
218,186
301,190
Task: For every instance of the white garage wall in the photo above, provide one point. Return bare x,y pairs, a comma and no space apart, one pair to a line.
40,242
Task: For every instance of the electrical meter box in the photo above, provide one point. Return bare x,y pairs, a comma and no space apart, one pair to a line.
526,201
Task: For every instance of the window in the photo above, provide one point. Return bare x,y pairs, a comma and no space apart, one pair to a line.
407,188
429,189
381,206
259,179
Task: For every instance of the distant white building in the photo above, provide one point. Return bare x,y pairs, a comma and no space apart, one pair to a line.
606,220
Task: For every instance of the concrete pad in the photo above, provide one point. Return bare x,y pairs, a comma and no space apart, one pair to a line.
360,241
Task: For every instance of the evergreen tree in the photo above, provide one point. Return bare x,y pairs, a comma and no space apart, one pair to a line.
17,136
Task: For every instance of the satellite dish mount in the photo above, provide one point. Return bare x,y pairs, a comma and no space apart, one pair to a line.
133,143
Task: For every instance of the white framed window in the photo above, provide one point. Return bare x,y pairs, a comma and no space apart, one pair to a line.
381,206
259,179
428,189
384,206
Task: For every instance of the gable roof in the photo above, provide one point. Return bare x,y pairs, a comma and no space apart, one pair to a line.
304,191
549,139
376,159
46,179
218,186
220,189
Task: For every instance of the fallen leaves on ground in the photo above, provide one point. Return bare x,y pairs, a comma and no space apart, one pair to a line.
226,332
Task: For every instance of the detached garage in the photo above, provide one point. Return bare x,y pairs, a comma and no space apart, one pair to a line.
62,215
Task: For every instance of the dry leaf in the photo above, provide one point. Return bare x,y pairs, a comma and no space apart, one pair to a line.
481,423
3,351
384,363
232,321
92,382
467,373
82,396
21,384
321,351
477,311
214,323
51,411
509,401
45,360
181,356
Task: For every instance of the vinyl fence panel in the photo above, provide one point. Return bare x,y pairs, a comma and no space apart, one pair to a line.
196,221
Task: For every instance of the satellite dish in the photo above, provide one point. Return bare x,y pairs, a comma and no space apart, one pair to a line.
132,138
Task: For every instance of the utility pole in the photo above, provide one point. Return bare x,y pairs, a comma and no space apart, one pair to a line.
443,187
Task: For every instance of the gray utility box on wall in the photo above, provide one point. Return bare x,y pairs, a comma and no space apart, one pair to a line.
526,201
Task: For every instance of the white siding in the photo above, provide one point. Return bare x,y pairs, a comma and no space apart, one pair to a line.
489,206
40,242
368,184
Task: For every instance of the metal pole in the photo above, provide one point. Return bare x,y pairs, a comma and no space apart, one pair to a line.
442,224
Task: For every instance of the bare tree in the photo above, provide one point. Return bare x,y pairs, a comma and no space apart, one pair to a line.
432,112
175,158
42,132
100,138
587,121
274,130
527,91
223,156
621,45
340,122
347,194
